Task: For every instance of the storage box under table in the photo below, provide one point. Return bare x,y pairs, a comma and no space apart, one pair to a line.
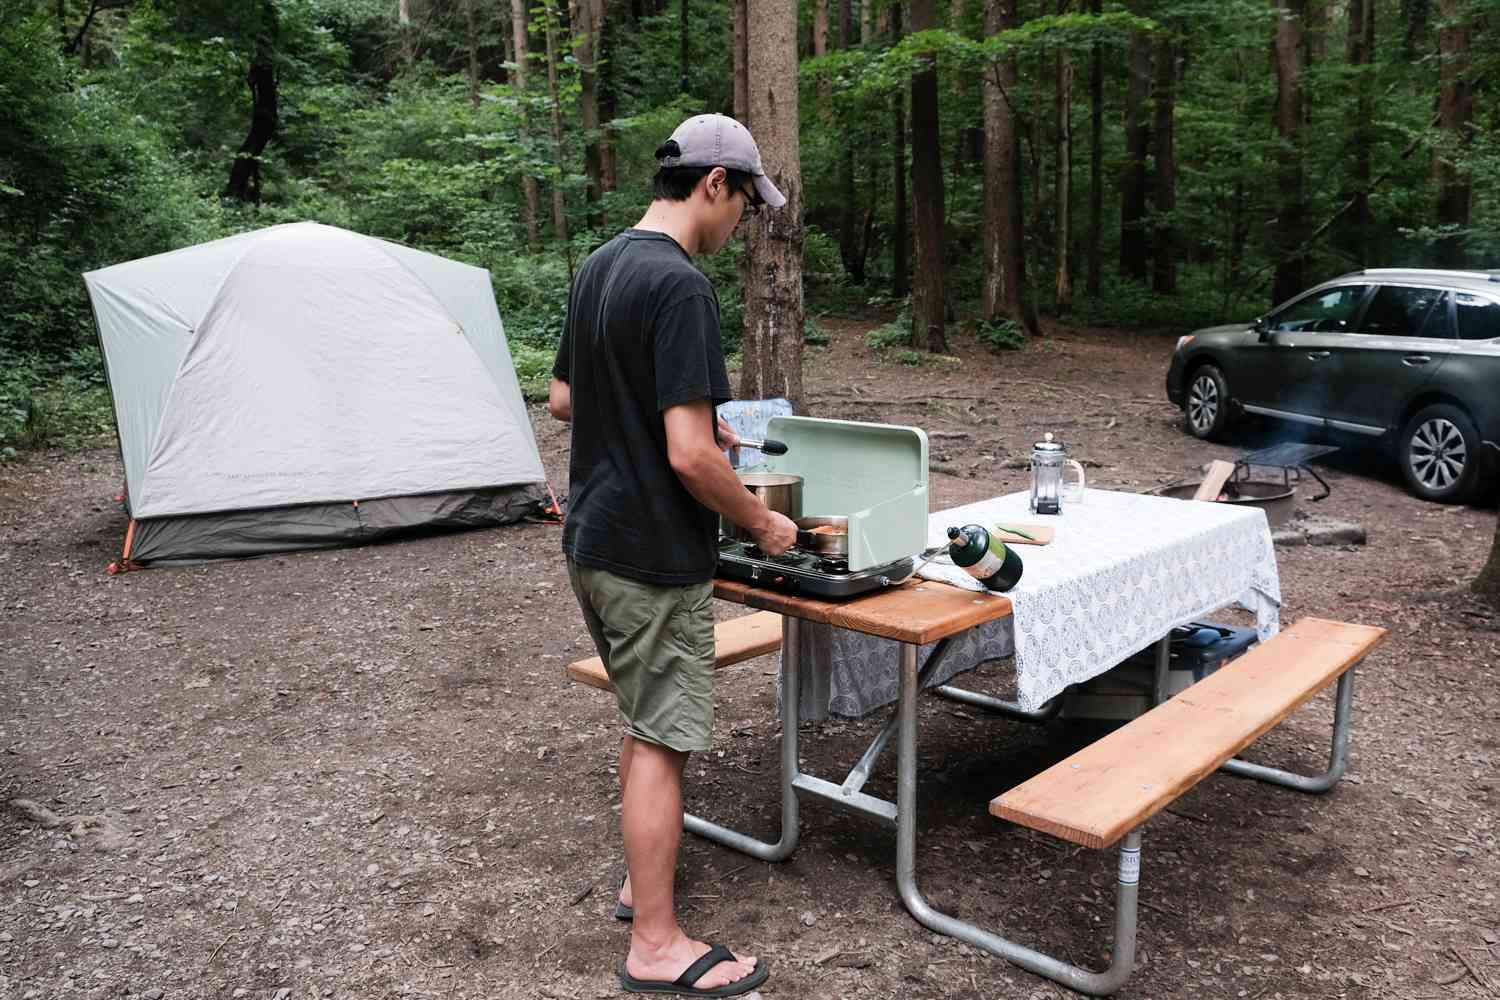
1197,650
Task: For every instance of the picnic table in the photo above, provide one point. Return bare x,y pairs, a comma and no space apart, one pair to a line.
1122,571
1137,565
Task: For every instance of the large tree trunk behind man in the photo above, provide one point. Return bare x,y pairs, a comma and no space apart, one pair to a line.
1455,114
928,303
1292,208
1003,288
532,209
771,266
244,171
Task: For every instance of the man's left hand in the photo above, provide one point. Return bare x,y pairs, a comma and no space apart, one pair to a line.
727,438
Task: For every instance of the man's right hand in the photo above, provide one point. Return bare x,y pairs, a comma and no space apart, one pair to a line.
777,534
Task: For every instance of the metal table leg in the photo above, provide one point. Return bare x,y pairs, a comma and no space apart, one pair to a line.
782,849
1338,761
1122,958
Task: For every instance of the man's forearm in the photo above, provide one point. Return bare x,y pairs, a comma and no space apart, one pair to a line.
708,476
560,400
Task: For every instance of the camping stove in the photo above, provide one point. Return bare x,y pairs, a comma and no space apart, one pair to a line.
797,571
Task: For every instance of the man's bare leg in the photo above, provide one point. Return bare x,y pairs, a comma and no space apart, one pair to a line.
627,746
652,822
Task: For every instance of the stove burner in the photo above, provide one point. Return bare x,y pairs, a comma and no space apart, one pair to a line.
835,566
791,557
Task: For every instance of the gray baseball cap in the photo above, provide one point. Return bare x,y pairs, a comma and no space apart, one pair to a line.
720,141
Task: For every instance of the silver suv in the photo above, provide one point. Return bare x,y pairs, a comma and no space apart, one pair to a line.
1407,358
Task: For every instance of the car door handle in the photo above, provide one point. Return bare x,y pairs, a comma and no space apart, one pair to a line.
1318,355
1416,360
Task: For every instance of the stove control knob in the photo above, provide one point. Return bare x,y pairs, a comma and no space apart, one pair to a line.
755,572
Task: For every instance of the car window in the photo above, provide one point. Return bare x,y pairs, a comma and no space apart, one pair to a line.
1478,319
1397,311
1329,311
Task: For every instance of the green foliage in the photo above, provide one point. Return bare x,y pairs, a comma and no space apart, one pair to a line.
813,334
64,404
533,369
1001,335
897,333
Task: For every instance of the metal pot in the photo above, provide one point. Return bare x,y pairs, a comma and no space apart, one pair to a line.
825,543
778,491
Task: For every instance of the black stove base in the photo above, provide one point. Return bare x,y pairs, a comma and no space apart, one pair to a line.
798,572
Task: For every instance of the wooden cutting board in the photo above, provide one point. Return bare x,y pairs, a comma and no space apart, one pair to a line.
1041,533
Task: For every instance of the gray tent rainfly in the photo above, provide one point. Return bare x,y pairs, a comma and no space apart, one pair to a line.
303,386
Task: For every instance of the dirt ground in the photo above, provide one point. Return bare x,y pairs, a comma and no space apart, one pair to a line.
363,773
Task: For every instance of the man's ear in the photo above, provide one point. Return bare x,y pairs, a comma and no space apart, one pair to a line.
716,180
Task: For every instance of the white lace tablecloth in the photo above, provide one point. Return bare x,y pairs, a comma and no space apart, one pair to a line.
1123,569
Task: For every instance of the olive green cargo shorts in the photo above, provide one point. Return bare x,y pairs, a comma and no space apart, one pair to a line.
657,644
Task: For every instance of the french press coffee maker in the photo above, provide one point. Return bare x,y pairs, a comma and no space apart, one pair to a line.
1048,490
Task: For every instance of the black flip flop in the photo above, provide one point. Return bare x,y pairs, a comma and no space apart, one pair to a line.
623,912
683,985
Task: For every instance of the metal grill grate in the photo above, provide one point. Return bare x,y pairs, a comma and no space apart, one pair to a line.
1289,456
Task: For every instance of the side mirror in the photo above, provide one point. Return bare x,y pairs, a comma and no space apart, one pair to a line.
1262,330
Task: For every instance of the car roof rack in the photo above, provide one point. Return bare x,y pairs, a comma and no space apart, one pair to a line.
1490,275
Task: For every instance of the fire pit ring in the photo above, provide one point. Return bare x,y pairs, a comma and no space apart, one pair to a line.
1278,500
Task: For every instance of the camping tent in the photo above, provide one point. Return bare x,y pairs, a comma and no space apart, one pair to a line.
304,386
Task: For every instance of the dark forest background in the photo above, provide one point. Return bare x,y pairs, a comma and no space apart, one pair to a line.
1149,164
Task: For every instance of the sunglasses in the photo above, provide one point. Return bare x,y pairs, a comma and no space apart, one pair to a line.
753,200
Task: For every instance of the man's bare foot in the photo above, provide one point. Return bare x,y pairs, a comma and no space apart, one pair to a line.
664,965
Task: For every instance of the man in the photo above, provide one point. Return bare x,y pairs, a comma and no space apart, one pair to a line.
639,372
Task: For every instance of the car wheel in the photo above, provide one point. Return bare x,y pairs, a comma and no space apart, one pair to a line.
1205,409
1439,453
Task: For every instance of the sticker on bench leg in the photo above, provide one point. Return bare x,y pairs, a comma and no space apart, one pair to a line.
1130,865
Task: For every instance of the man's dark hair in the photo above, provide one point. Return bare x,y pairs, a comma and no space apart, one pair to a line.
677,183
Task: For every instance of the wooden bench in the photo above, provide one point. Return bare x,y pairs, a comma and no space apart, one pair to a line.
735,640
1105,792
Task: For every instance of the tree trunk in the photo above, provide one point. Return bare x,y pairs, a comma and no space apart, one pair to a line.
1096,162
532,209
684,48
771,266
244,172
589,25
1064,182
559,202
1163,241
1315,32
471,44
1003,290
1134,252
1487,583
742,63
928,305
1359,53
820,48
900,260
407,32
1291,209
507,41
1455,118
1415,14
849,243
608,31
866,21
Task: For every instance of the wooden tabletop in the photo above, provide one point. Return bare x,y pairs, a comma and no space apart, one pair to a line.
919,611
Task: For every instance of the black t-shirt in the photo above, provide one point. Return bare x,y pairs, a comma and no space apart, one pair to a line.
642,335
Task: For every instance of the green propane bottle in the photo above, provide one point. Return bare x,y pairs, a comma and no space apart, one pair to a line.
984,557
